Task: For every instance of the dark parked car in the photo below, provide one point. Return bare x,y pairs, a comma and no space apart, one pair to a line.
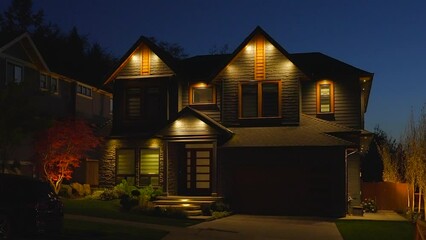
28,206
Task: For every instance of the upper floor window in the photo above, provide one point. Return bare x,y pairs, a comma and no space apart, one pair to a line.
325,97
259,99
54,85
133,102
14,73
202,94
43,82
84,90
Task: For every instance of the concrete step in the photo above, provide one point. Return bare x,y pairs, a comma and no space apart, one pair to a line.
189,198
180,202
193,213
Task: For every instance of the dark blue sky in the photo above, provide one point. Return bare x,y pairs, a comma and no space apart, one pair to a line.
387,38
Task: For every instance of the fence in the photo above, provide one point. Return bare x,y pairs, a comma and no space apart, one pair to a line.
420,230
388,196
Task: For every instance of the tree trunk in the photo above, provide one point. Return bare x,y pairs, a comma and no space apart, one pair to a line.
420,200
413,194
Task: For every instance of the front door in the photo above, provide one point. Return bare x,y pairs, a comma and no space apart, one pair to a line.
196,172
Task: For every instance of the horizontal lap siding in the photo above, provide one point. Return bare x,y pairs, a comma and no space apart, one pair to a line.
133,66
348,103
309,106
347,107
278,67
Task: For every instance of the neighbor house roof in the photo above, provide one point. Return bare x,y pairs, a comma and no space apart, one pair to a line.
30,49
311,132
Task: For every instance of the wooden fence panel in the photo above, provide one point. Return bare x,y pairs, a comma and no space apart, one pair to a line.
388,196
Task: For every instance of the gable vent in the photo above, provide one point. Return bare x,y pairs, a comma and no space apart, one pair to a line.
145,69
259,62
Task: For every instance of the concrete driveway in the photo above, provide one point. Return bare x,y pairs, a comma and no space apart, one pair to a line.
259,227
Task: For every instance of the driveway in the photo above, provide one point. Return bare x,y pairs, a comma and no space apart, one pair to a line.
259,227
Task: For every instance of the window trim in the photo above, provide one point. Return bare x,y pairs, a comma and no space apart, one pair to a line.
13,80
259,98
318,97
54,91
201,86
83,94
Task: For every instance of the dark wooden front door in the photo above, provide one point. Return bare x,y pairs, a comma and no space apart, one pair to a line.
195,172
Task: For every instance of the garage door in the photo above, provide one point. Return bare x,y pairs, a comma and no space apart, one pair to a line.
281,186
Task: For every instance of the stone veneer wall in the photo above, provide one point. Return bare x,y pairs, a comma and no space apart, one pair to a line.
107,165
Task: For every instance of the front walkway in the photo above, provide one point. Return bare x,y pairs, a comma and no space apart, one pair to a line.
381,215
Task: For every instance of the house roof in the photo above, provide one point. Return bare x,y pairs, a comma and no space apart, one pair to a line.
168,59
311,132
317,66
191,122
257,30
200,68
30,49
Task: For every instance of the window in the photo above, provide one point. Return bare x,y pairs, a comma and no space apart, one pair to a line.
133,100
84,90
15,73
325,97
126,165
43,82
202,94
149,167
54,85
260,99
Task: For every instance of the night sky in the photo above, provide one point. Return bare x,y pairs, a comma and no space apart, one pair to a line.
387,38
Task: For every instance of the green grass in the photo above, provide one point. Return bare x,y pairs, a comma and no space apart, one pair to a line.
83,230
375,230
111,209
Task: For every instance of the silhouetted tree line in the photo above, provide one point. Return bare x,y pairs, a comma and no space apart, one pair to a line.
69,54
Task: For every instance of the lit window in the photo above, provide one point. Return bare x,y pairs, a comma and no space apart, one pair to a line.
325,97
149,167
14,73
260,99
202,94
126,165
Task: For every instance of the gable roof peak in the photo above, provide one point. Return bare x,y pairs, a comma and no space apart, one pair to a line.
166,57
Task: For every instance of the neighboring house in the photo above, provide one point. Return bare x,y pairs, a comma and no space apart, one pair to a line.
51,94
271,132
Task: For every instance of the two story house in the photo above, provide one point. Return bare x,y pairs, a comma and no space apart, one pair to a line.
271,132
50,94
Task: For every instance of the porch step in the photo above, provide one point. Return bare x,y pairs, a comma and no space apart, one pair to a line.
192,205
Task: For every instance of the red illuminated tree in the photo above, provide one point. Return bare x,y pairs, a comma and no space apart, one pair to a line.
60,149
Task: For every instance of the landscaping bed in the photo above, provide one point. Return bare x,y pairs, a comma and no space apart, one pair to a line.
378,230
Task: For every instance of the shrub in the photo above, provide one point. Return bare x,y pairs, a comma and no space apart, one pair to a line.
79,189
127,202
369,205
65,191
108,194
216,215
124,188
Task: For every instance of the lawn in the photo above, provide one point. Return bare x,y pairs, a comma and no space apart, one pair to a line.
111,209
75,229
375,230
